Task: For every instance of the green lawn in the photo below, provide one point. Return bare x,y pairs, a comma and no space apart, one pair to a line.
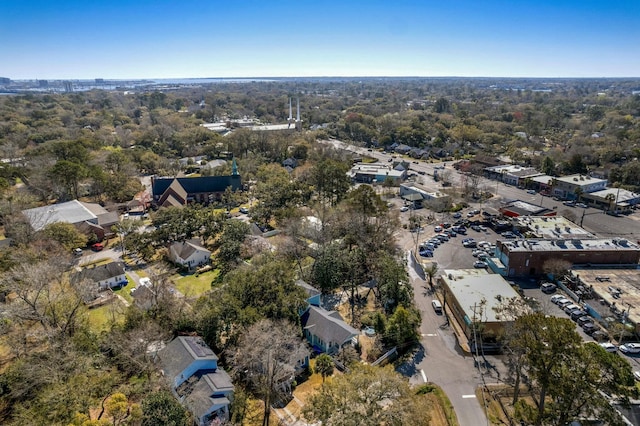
100,319
125,291
196,284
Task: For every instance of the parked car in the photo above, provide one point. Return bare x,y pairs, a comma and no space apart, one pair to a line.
476,252
570,308
556,297
436,242
583,320
404,209
97,247
451,232
443,237
438,228
245,210
437,306
480,264
609,347
469,243
564,302
428,246
548,288
630,348
483,256
600,336
476,228
589,328
426,253
582,205
77,252
457,215
577,314
470,214
531,191
460,230
508,234
483,228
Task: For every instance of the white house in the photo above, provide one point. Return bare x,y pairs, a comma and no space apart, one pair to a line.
189,254
104,276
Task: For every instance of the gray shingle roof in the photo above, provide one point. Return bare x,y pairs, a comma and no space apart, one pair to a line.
100,273
327,325
179,353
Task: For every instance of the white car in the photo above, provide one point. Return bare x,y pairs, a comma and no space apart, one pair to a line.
479,264
630,348
609,347
636,375
404,209
556,297
438,228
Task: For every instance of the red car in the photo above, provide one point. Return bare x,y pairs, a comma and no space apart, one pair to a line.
97,247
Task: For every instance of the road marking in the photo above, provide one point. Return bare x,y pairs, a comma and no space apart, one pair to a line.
424,376
432,334
468,396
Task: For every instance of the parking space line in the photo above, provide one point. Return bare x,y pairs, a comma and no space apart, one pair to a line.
468,396
424,376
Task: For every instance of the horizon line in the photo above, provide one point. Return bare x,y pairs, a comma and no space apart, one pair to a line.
322,76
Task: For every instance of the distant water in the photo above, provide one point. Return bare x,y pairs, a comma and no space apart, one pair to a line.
208,80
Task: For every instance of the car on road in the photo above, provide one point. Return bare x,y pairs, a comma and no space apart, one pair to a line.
508,234
476,252
569,203
531,191
404,209
478,264
244,210
548,288
77,252
437,306
457,215
582,205
636,375
609,347
97,247
630,348
438,228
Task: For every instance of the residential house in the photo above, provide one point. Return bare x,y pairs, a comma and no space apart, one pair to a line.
144,295
189,254
326,331
103,276
313,294
89,218
402,149
191,369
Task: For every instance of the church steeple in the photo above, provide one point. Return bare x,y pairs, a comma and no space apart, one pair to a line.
234,168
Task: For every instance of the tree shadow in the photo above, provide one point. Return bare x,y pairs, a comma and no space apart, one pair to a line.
408,367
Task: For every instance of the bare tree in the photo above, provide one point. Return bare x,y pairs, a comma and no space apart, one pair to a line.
266,358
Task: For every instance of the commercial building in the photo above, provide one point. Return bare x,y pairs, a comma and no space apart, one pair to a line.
549,227
527,257
376,173
474,296
519,208
419,195
573,186
511,174
613,199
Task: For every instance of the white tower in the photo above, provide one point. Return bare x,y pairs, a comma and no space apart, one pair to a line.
298,120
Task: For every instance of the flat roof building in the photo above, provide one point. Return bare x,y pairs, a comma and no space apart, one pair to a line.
473,295
376,173
518,208
550,227
527,257
572,186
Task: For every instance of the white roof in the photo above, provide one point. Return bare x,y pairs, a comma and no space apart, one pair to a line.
69,212
622,195
580,180
552,227
470,288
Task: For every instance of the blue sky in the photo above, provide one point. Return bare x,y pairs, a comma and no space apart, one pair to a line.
192,38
